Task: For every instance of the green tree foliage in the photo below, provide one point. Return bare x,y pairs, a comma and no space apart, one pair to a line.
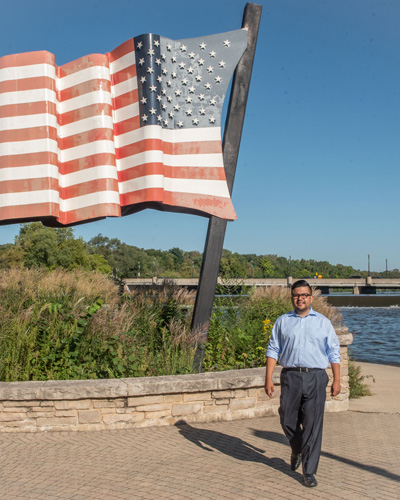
41,246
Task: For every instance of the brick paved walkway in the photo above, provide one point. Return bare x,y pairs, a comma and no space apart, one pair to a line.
244,459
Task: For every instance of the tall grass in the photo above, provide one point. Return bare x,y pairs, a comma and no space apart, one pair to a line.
74,325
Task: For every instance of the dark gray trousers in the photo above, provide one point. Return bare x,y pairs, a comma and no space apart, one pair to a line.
301,410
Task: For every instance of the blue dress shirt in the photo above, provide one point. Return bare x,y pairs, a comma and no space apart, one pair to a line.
310,341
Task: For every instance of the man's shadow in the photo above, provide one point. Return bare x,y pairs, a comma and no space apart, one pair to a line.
234,447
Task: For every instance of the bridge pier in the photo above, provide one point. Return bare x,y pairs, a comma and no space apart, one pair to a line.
368,290
356,290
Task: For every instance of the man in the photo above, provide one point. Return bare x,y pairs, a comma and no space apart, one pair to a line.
305,342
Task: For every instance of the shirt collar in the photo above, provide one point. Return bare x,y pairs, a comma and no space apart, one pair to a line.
311,313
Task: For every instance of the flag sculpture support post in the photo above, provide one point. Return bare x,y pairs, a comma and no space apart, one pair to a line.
231,142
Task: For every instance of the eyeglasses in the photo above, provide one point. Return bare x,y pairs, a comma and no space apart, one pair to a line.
301,295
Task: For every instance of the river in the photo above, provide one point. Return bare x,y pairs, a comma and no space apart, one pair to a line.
376,333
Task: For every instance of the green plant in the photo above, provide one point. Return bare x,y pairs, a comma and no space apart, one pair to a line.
358,388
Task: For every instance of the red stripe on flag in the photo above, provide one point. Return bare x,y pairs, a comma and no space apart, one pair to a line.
28,134
88,187
84,88
141,196
27,59
127,125
85,112
31,210
35,83
213,205
27,185
87,162
123,75
26,160
125,99
99,211
122,50
202,173
98,134
178,148
30,108
82,63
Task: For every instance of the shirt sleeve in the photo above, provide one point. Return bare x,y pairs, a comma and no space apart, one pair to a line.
274,348
332,345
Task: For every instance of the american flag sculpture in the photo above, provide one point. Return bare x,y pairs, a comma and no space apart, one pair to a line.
112,134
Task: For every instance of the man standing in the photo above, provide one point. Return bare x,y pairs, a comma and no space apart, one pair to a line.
305,342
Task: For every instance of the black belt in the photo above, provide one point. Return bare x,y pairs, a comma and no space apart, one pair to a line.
300,369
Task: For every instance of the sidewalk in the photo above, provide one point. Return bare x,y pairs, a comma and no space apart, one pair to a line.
246,459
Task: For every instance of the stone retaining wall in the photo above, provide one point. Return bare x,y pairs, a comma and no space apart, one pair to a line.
81,405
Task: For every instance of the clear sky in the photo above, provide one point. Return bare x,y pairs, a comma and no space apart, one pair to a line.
318,175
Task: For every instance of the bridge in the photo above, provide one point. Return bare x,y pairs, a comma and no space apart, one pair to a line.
357,286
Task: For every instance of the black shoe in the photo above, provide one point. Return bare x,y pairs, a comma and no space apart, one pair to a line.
295,461
309,480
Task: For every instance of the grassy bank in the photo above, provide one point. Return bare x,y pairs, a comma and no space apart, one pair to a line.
60,325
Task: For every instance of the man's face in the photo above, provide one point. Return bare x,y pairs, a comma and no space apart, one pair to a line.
301,300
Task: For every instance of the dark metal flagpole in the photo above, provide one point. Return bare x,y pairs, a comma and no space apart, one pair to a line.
231,142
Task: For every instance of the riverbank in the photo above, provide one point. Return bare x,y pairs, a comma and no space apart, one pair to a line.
384,383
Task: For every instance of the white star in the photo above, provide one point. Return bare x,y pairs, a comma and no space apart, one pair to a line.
144,118
180,124
165,122
141,61
185,81
164,106
227,43
195,121
143,79
169,83
218,79
153,111
188,100
143,100
210,69
203,46
163,91
183,48
190,70
165,71
202,111
212,119
189,112
159,98
198,78
201,62
159,118
201,97
139,45
173,59
213,53
153,88
163,57
222,64
169,47
208,86
156,43
182,65
192,55
177,107
150,70
178,92
173,74
171,114
213,102
150,52
169,98
191,90
159,79
158,61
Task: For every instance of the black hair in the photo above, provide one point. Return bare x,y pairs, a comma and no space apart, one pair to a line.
301,283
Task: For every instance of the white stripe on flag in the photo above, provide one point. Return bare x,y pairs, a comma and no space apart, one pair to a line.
89,174
30,71
83,75
27,147
28,121
88,200
33,197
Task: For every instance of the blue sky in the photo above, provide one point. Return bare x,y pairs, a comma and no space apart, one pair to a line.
319,167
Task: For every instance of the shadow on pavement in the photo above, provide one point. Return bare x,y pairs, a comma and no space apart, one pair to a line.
235,447
280,438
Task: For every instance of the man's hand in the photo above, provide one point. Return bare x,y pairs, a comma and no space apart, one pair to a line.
269,388
335,389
